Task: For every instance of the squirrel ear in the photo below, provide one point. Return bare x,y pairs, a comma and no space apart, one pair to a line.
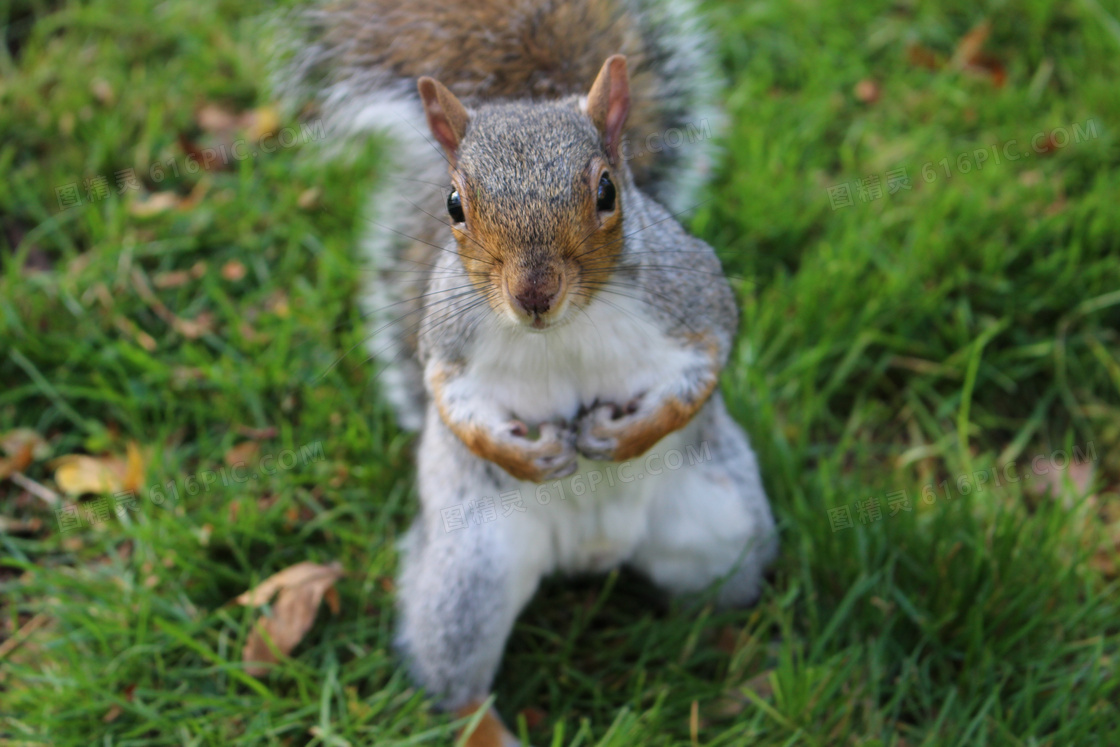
608,103
447,118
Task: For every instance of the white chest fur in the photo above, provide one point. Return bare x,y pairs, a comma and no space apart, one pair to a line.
606,352
595,519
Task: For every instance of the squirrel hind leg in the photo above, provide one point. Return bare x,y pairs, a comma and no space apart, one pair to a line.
710,522
457,603
459,589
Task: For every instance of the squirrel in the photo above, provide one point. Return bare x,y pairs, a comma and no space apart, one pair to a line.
542,318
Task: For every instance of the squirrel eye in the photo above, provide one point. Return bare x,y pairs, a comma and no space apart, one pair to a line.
605,197
455,207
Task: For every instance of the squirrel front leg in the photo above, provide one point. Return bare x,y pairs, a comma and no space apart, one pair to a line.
616,432
498,436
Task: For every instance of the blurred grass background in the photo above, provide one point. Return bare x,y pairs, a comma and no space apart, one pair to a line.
909,341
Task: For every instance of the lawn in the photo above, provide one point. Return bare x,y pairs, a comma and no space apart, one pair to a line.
918,204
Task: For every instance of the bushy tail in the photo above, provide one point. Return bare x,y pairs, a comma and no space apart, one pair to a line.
358,61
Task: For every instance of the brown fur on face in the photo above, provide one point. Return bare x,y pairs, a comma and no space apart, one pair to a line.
527,176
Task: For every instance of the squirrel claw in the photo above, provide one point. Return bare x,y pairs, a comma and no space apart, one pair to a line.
551,455
600,429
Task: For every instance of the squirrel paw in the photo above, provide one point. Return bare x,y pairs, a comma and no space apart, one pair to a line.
601,428
550,456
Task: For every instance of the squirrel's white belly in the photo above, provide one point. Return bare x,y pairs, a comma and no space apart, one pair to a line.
595,519
607,352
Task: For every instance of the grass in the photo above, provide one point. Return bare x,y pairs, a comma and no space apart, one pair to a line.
922,342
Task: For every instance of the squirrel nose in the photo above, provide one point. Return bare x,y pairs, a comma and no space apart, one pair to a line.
535,300
536,295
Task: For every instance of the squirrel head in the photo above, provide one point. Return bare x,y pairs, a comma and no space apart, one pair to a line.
537,193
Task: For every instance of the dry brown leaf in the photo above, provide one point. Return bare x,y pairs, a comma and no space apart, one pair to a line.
20,440
970,57
189,328
16,526
299,591
920,56
968,48
277,303
257,434
102,91
728,639
735,700
243,453
171,279
296,575
233,270
1054,482
333,600
192,329
224,127
160,202
867,91
142,338
534,717
214,118
23,446
20,636
309,198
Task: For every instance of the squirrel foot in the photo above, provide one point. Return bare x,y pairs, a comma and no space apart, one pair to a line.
490,732
603,426
550,456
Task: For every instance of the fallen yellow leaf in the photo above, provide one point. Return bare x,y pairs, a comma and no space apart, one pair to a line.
78,474
136,467
261,122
